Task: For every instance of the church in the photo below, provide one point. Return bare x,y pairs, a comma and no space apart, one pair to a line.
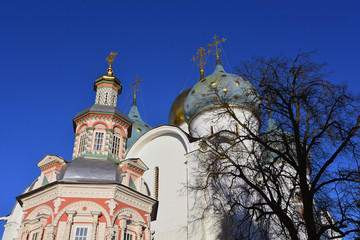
127,180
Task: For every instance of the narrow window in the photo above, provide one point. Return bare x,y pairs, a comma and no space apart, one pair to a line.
82,144
35,236
211,130
81,233
128,236
98,141
116,146
237,128
106,98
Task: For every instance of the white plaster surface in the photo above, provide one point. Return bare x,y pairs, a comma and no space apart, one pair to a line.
165,147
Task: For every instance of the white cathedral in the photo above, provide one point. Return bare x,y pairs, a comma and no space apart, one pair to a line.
127,180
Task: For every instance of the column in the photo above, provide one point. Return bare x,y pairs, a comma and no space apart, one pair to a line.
42,229
25,234
50,232
69,223
122,228
138,232
95,222
147,234
110,233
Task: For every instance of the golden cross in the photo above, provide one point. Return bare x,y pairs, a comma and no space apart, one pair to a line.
110,58
216,42
137,82
201,53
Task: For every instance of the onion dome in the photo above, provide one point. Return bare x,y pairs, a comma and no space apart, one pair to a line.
176,114
277,138
139,127
219,88
91,170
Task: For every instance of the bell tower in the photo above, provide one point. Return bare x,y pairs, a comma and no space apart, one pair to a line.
101,130
107,87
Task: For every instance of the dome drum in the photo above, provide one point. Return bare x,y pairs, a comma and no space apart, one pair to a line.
215,119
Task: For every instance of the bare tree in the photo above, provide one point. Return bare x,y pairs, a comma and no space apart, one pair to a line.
295,177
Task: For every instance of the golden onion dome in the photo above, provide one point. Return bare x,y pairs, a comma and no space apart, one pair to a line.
176,114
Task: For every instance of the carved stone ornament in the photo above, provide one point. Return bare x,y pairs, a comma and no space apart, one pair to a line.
110,233
112,206
57,203
50,232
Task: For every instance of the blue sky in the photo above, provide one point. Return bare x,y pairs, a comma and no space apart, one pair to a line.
51,52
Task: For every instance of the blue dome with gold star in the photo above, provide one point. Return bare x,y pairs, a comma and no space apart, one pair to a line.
218,89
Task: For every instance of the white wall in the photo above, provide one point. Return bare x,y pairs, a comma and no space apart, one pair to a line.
220,120
165,147
13,223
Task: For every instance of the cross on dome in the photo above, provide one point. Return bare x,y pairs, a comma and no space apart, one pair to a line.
110,60
201,53
217,50
135,85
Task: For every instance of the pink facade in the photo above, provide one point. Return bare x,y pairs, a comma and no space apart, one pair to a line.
97,195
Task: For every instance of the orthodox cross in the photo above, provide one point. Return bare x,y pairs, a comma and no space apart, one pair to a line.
110,60
135,85
201,53
217,50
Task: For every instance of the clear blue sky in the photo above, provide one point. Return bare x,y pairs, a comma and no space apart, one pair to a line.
52,51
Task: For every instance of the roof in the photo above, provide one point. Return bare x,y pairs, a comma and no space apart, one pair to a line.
176,114
139,127
98,108
91,170
219,88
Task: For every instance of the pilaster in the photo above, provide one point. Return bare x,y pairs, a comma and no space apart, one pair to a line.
69,223
95,222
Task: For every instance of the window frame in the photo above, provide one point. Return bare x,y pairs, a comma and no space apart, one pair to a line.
128,234
77,226
116,151
96,142
35,234
82,143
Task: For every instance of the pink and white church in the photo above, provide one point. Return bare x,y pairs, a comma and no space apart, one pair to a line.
126,180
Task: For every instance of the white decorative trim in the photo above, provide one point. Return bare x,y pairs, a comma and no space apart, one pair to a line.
134,199
39,198
57,203
43,209
112,206
78,207
127,211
